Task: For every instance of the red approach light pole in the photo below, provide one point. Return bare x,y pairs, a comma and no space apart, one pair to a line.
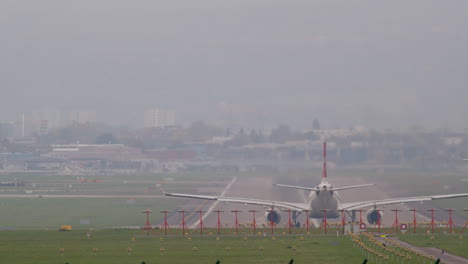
289,220
325,223
343,220
147,226
450,221
307,220
200,224
183,225
236,223
165,225
396,223
218,223
254,221
360,217
272,222
378,219
432,219
466,223
414,220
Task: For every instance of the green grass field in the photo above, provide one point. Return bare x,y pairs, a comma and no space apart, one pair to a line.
43,213
134,246
112,247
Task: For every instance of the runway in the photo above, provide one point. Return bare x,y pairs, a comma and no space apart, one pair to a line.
79,196
262,188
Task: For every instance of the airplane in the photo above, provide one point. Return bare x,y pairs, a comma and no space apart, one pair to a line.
323,197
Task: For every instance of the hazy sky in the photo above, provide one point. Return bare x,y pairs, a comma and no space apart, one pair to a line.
372,63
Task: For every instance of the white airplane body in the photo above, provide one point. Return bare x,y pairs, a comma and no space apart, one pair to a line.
322,199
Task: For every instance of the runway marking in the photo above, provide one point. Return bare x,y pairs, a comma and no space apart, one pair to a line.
195,224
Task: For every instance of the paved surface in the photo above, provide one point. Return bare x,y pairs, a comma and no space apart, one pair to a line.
445,258
79,196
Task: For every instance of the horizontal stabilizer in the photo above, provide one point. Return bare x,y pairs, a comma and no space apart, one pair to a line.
353,186
296,187
315,188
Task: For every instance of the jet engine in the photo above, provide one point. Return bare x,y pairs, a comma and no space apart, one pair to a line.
273,215
373,216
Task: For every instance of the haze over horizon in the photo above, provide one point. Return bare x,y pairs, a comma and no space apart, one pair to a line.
376,64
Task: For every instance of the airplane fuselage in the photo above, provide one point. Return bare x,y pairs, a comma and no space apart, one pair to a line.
323,198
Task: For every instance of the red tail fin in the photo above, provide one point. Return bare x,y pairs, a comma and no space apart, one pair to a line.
324,172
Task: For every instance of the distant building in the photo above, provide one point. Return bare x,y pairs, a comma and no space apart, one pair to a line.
18,129
6,130
96,151
27,141
325,133
22,127
45,120
82,117
157,117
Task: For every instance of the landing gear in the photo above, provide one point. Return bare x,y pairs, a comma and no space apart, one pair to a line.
295,215
353,216
353,221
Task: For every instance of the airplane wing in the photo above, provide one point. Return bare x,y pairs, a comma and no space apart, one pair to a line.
287,205
364,204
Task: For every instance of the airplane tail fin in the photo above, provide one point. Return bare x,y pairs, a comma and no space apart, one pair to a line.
324,171
324,177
